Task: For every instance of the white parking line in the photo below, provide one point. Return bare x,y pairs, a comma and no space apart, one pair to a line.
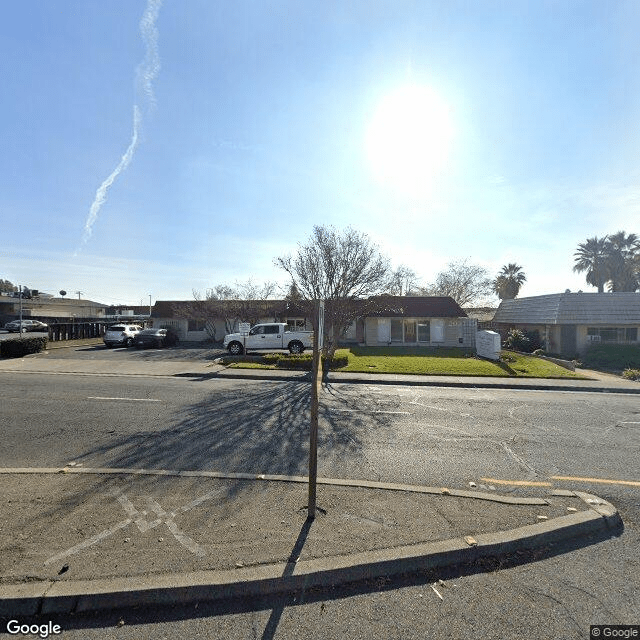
129,399
404,413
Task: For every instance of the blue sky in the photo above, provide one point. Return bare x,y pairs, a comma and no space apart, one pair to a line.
266,118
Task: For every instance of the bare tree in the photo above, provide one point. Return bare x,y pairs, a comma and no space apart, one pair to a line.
341,268
244,301
403,281
466,283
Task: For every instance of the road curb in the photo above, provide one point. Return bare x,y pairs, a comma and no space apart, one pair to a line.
51,597
423,383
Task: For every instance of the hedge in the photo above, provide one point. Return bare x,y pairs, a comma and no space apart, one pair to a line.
303,361
613,356
22,347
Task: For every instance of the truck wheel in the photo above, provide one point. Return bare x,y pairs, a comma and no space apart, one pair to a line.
235,348
296,347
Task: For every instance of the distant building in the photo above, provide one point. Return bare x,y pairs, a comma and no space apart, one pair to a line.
51,309
405,321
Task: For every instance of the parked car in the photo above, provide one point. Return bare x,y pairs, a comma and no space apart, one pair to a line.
151,338
271,335
27,325
121,334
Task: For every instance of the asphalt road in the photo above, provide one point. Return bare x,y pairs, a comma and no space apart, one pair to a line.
430,436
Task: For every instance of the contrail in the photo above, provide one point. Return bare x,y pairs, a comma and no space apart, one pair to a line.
146,72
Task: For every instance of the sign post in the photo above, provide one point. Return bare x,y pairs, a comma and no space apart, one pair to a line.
244,328
316,381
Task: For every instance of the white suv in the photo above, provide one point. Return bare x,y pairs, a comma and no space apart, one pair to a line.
122,334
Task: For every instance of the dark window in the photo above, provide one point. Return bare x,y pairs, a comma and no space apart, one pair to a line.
614,334
197,325
272,328
396,329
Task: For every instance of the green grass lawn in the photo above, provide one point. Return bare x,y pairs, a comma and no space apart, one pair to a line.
439,362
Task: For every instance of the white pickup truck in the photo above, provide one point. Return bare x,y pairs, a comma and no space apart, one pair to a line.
273,335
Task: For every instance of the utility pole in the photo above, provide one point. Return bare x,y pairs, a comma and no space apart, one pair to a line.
79,294
316,382
149,305
20,298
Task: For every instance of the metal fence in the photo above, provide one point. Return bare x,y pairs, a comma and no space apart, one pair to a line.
76,330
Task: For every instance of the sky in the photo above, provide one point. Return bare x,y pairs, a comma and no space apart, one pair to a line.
157,147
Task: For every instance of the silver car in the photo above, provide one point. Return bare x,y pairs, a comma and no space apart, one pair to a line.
121,334
27,325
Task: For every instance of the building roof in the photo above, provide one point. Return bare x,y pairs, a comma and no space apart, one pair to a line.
571,308
417,307
184,308
481,314
375,306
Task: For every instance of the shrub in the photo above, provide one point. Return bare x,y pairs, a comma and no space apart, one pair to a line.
172,338
22,347
631,374
516,340
613,356
523,340
302,361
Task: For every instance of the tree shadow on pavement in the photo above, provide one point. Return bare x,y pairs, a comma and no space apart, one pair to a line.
257,429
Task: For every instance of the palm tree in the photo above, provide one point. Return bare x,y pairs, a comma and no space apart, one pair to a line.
508,282
592,257
623,255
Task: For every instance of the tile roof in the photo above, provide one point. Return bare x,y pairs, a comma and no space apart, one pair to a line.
572,308
389,306
417,307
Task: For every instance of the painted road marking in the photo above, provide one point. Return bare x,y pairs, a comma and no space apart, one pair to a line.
627,422
90,541
404,413
518,483
527,483
628,483
129,399
138,518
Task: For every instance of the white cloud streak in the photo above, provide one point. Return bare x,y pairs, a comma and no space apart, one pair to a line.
146,73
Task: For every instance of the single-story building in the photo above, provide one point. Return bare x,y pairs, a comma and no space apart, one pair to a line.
418,321
50,309
196,321
403,320
569,323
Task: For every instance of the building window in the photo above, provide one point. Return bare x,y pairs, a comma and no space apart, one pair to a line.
296,324
423,331
396,329
197,325
410,331
612,334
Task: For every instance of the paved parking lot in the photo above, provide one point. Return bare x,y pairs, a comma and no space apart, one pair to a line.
186,351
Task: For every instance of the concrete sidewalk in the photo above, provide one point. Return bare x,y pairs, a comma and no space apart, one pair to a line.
41,363
86,539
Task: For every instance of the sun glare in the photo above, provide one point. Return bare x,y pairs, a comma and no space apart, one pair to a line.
408,138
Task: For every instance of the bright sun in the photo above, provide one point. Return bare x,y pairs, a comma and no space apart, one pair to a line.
408,138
